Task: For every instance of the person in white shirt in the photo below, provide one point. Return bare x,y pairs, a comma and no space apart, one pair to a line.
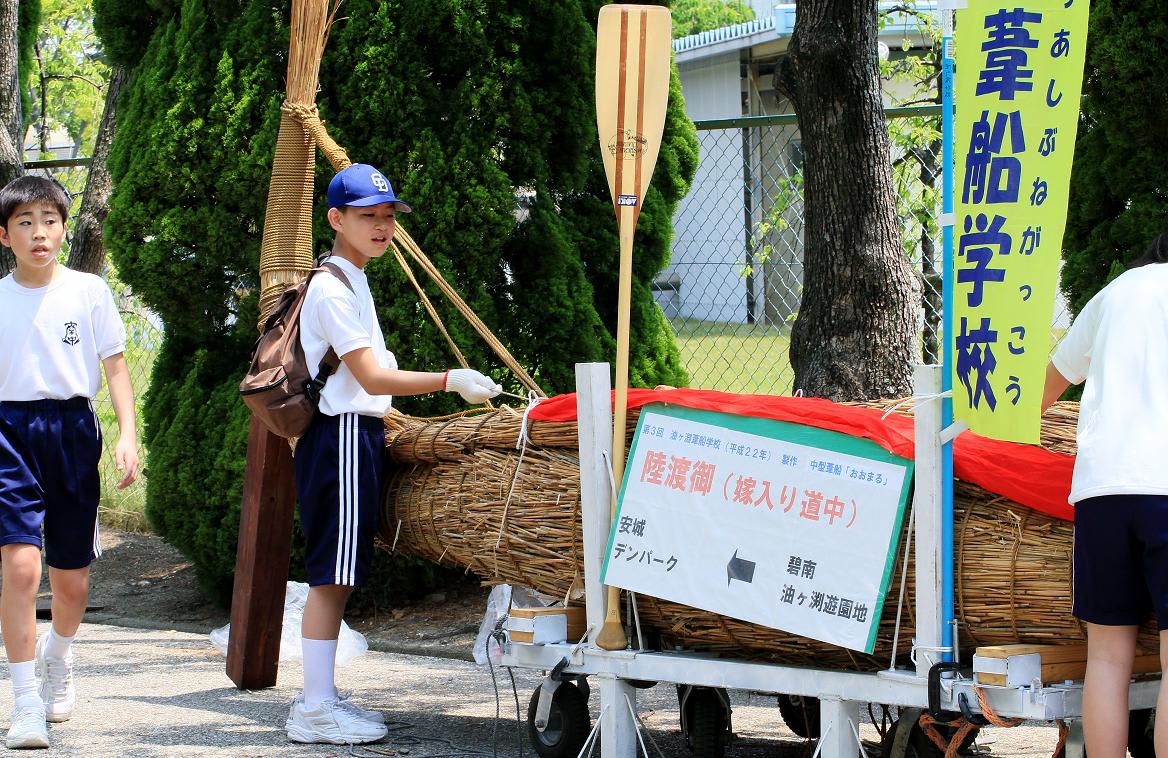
338,460
1118,346
60,328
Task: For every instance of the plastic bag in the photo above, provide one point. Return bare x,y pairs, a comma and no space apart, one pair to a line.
350,643
498,603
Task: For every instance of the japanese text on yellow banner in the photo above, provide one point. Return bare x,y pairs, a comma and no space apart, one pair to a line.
1018,80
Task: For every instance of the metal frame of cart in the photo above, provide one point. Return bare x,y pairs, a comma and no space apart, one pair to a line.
840,692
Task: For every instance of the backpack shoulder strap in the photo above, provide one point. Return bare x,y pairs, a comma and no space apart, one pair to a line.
336,271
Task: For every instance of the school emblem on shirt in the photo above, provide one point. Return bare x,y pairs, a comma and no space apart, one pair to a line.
71,336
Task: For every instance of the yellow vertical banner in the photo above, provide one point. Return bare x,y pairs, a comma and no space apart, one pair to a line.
1019,75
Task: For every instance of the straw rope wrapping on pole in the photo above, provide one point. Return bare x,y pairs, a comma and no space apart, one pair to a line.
286,248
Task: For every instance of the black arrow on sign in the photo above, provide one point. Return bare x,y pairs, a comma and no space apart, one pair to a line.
740,569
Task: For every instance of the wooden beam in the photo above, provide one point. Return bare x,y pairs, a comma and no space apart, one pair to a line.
261,563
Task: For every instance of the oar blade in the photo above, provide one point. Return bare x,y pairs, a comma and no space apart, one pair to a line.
633,53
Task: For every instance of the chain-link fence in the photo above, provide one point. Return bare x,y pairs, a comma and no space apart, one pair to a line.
122,509
735,281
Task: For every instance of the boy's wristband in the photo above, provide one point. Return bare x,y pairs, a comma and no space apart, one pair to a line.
445,381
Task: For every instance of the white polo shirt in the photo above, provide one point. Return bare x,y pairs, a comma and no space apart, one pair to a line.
347,320
1119,345
54,338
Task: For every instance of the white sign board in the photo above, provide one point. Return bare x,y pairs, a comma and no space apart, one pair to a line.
778,524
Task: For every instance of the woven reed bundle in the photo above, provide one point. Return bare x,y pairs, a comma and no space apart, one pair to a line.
1013,572
458,513
452,438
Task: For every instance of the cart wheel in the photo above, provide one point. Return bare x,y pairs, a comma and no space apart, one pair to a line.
1139,734
801,714
568,723
919,745
708,719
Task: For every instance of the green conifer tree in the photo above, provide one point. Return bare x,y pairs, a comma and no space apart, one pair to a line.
481,114
1120,174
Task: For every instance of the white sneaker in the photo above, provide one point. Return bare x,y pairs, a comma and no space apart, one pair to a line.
56,687
28,728
376,717
335,722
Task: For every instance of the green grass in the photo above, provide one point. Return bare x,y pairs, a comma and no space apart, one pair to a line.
126,509
747,358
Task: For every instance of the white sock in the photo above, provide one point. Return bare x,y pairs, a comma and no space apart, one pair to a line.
320,657
24,685
57,645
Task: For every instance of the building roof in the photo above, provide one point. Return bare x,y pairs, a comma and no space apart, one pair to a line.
781,24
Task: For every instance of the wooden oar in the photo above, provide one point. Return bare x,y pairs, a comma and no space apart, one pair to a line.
633,48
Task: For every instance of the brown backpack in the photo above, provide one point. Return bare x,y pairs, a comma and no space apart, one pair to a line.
279,387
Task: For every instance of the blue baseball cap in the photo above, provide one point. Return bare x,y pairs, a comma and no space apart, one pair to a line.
361,185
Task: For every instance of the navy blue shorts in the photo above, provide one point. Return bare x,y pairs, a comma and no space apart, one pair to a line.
49,450
338,485
1121,559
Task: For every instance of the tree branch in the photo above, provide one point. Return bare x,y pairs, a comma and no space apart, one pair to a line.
96,85
44,135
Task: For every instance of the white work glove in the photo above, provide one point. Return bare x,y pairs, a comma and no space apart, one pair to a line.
471,385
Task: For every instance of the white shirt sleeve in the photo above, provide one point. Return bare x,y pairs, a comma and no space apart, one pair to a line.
1073,356
340,323
108,330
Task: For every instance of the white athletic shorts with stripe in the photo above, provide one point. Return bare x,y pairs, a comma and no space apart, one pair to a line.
339,463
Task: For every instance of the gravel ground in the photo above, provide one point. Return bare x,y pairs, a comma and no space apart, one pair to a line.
152,685
145,692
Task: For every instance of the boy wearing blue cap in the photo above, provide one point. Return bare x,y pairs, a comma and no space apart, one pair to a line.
338,460
60,329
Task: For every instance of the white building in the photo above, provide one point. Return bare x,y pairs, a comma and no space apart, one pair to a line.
727,74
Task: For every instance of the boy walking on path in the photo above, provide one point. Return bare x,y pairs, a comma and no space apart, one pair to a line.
338,460
60,328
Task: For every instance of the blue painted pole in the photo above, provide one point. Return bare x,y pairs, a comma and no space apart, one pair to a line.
947,564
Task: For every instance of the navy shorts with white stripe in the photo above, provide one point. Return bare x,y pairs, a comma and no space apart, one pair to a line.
338,485
49,451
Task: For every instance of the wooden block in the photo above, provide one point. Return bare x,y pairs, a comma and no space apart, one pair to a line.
1059,662
261,564
1049,653
577,621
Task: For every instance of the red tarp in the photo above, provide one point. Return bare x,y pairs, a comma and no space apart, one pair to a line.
1026,474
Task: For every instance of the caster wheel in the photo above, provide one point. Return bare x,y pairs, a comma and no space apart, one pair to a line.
918,744
568,723
801,714
708,723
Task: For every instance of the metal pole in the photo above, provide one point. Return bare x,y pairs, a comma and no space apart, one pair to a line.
928,513
594,411
618,731
839,724
947,221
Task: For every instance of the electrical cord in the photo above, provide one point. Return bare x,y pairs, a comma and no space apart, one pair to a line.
399,739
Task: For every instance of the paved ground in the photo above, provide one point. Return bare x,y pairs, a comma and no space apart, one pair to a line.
145,692
148,690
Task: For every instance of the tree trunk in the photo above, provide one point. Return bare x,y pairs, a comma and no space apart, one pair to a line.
87,252
11,138
855,334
